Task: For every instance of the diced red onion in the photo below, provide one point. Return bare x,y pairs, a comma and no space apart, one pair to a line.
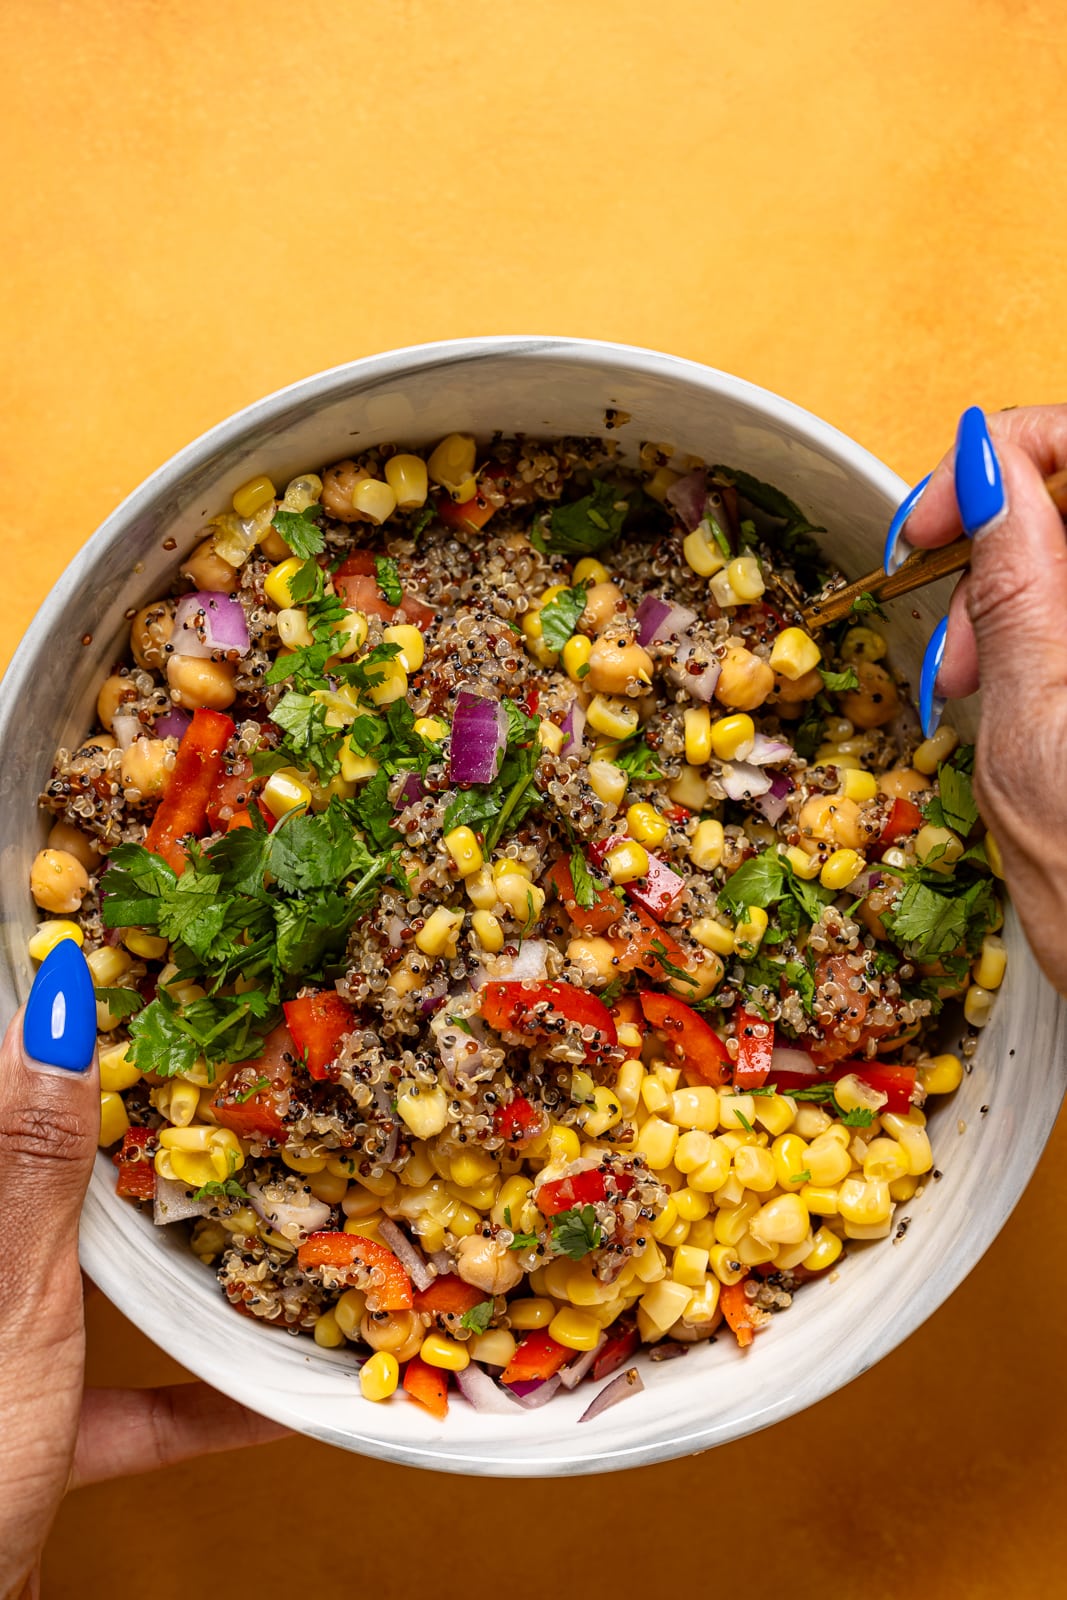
627,1383
410,1256
479,1390
771,806
479,738
172,724
657,619
174,1202
668,1350
442,1261
126,729
784,1059
701,685
743,781
209,620
574,728
534,1392
527,965
285,1214
411,793
572,1374
767,752
689,496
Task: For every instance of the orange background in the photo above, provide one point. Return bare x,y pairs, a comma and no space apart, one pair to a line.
854,202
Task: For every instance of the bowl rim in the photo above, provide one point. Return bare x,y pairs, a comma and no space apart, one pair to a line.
605,357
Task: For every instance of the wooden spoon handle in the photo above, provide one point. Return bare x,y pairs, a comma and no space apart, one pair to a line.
921,568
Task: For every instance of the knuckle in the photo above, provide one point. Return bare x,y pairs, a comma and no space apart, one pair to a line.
59,1138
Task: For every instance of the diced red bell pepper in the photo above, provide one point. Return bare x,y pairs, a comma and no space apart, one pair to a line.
563,1194
519,1121
661,888
257,1116
184,807
347,1251
635,946
318,1023
692,1041
904,819
243,817
136,1175
472,514
428,1385
449,1296
232,793
755,1047
615,1353
532,701
897,1083
738,1310
602,914
537,1357
509,1007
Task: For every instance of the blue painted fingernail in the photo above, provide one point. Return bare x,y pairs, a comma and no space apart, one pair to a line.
932,704
979,487
59,1026
897,548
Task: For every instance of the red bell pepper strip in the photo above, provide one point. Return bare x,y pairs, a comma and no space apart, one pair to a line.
738,1310
661,888
509,1007
615,1353
257,1116
563,1194
602,914
357,1256
183,808
692,1041
755,1047
897,1083
137,1175
232,792
627,1010
537,1357
904,819
449,1296
641,944
519,1121
428,1385
318,1023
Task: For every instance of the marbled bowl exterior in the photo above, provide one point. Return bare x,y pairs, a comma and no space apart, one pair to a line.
838,1328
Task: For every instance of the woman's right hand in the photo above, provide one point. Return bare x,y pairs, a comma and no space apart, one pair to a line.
1007,630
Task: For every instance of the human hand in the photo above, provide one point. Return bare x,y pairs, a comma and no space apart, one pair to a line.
1007,629
54,1434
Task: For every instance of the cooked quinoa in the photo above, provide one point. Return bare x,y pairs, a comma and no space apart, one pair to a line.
517,939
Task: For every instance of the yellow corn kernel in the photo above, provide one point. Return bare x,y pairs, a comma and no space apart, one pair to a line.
840,868
746,578
326,1186
628,1081
864,1201
804,865
932,752
431,728
654,1095
292,625
506,866
576,1330
379,1376
941,1075
716,936
732,1221
149,946
859,785
406,475
911,1132
736,1111
702,555
993,856
794,654
47,935
451,464
612,715
820,1200
182,1103
425,1111
697,736
664,1303
606,1113
487,931
550,736
471,1167
689,789
776,1113
253,496
887,1159
285,791
326,1332
693,1150
552,593
412,645
690,1266
350,633
276,583
826,1247
465,851
783,1220
627,862
992,962
756,1168
374,500
525,900
113,1119
575,656
978,1005
752,1252
809,1121
494,1348
707,845
481,889
827,1160
904,1188
938,848
536,1312
660,481
304,1163
438,934
656,1141
107,965
607,781
117,1071
302,492
723,1262
564,1145
354,766
731,737
748,934
390,683
645,823
465,1221
590,571
670,1077
692,1205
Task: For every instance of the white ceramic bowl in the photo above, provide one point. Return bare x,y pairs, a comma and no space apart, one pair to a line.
836,1329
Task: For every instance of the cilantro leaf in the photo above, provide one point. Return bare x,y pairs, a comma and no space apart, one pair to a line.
583,526
560,617
374,812
839,682
521,727
521,1241
861,1117
252,1090
582,879
759,881
576,1232
231,1188
478,1318
659,950
133,886
316,851
193,913
300,531
930,924
640,762
810,895
167,1038
389,579
122,1003
421,521
801,979
956,797
865,603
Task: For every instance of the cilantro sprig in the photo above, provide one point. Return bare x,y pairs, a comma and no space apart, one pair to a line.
560,617
576,1232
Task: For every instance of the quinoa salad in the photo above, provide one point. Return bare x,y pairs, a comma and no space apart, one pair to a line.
517,940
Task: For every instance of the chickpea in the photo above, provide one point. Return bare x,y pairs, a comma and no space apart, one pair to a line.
617,666
900,783
487,1265
399,1332
113,691
602,602
97,744
195,682
793,692
596,958
144,766
58,881
877,699
73,842
273,546
829,820
338,484
871,911
706,970
745,681
207,570
150,633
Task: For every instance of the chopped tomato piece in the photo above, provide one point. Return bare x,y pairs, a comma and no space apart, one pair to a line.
428,1385
642,945
661,888
615,1353
563,1194
348,1251
472,514
693,1042
256,1115
449,1296
738,1310
904,819
510,1007
184,807
232,792
605,910
356,581
519,1121
537,1357
318,1023
137,1175
755,1047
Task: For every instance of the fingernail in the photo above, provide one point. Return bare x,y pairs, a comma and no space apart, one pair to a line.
932,704
59,1025
897,548
979,487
